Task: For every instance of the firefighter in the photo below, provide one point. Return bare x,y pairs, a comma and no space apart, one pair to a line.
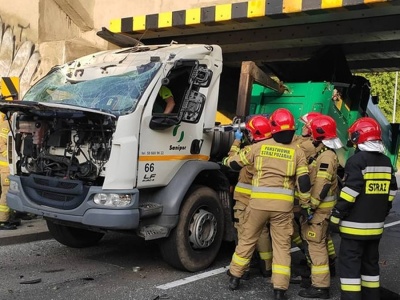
304,141
364,202
311,149
258,129
5,212
324,184
279,164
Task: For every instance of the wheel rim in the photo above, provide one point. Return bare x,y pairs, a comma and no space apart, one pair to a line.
203,228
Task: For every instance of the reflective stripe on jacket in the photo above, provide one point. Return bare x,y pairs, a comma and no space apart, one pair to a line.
323,172
243,188
367,196
277,169
4,130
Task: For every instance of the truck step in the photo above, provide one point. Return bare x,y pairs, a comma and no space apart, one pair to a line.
152,232
149,209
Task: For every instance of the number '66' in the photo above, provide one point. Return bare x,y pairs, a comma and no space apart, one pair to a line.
149,167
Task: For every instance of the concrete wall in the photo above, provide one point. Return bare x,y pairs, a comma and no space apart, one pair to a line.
58,31
23,16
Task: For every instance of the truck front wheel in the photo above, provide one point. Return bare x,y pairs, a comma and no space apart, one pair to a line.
73,237
195,242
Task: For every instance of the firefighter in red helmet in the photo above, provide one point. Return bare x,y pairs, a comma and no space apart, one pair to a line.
323,169
258,129
364,202
311,150
279,165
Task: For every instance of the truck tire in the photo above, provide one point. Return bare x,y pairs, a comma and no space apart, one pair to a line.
222,142
73,237
194,243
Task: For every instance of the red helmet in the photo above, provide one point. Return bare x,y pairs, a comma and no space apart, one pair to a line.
259,128
309,116
323,128
365,129
306,119
281,120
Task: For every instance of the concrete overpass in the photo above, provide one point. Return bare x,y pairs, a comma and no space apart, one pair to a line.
282,35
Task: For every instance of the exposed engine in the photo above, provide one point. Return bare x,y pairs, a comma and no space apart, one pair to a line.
65,147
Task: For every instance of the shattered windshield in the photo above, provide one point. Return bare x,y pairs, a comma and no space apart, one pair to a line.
117,94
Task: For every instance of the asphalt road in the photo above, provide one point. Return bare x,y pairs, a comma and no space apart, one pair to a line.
124,267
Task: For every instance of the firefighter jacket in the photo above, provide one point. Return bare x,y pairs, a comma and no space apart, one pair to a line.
4,171
243,188
4,129
277,169
323,170
305,143
366,198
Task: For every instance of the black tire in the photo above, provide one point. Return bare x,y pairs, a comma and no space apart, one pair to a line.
194,251
222,142
73,237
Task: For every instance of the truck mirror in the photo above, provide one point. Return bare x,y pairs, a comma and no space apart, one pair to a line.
200,75
162,121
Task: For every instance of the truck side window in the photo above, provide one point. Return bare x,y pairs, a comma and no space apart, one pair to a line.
182,85
165,102
177,83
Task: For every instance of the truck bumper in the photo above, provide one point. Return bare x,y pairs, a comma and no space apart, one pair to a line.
87,213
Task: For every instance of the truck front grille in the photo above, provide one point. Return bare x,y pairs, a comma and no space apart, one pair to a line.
54,192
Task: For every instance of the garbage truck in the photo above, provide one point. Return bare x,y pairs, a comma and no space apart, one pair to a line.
89,153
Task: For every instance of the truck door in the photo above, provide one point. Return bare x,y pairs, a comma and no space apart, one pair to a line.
167,141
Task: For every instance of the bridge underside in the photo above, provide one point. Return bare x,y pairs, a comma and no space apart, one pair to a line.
320,43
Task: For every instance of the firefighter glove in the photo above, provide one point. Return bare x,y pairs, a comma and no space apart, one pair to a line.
333,227
335,220
238,135
306,213
337,214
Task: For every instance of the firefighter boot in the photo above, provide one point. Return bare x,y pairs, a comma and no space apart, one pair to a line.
314,292
246,275
279,294
233,281
7,226
264,272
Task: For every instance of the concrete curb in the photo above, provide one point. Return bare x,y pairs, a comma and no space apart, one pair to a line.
28,231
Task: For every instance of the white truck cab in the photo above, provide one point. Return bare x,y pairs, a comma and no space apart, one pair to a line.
89,153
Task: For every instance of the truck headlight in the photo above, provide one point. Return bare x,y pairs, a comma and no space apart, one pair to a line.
114,200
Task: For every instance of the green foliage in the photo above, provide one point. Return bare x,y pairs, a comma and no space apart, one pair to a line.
383,85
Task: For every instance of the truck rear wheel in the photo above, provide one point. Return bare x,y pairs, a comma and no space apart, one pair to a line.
73,237
195,242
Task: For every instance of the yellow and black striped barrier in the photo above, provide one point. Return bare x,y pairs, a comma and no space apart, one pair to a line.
233,12
9,88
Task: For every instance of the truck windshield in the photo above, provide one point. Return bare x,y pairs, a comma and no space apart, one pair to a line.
118,94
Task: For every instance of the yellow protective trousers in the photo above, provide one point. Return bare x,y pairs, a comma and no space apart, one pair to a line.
281,229
315,233
4,209
264,245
